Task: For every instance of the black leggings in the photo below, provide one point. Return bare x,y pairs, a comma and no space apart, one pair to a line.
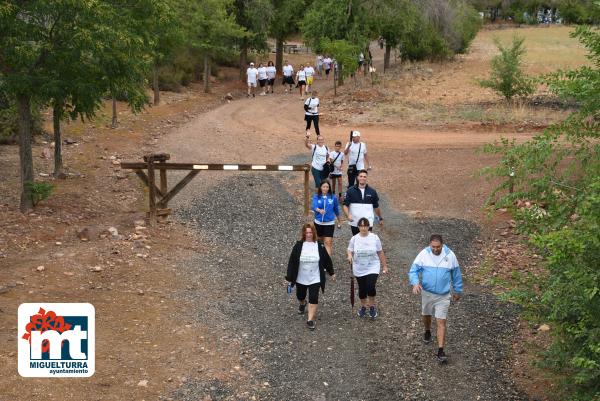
352,178
366,285
313,292
308,121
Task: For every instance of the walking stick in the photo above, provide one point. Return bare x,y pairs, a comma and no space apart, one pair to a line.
351,287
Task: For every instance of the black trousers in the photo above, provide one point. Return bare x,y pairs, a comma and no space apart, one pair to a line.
352,178
314,119
366,285
313,292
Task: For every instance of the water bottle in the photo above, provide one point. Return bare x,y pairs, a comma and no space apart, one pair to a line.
289,288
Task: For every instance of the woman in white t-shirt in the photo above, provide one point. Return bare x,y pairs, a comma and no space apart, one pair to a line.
262,77
308,263
271,72
320,156
366,256
301,78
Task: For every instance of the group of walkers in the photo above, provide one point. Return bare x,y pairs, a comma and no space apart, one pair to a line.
303,78
435,273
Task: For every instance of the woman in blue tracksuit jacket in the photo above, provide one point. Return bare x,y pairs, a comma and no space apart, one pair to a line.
327,210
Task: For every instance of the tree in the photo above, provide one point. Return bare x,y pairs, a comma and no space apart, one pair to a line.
393,20
68,53
507,77
254,16
283,24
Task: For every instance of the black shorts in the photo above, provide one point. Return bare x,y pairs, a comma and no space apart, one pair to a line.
288,80
301,83
271,81
262,82
327,71
325,230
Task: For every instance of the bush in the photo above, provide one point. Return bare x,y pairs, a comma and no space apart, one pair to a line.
424,42
558,172
508,78
39,191
465,25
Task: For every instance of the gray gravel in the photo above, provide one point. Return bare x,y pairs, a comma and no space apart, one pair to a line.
252,224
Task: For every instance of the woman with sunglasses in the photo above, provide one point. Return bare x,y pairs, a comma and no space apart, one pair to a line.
367,259
306,270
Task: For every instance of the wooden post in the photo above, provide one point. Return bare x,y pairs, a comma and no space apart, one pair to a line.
163,179
306,193
151,190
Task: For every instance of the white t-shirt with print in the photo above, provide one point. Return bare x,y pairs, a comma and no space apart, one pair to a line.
309,71
313,106
364,254
337,165
301,75
327,63
262,72
271,71
353,154
288,70
252,73
308,270
320,156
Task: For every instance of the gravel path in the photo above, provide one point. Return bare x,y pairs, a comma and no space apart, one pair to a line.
251,222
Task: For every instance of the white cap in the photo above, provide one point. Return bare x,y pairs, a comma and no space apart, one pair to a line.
251,63
355,134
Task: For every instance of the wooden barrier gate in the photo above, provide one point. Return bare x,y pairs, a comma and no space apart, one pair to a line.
158,205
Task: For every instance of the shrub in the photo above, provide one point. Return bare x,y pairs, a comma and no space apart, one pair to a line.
507,78
39,191
424,42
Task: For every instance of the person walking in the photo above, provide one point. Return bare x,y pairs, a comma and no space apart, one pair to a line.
320,157
310,73
306,269
361,201
326,208
319,65
271,72
262,77
337,159
365,255
288,75
311,112
252,75
301,78
433,274
327,62
356,152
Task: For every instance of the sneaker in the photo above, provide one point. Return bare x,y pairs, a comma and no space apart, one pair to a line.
301,309
427,337
441,357
311,324
253,95
373,312
362,312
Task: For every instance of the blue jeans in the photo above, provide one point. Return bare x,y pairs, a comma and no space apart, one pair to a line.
316,175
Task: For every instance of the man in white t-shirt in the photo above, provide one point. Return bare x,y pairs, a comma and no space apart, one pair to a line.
311,113
356,155
288,75
337,159
252,76
327,62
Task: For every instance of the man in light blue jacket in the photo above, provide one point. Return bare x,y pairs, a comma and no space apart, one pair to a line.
433,272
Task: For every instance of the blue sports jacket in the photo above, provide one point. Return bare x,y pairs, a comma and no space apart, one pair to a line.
330,205
436,278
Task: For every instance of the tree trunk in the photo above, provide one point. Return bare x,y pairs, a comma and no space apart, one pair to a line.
243,60
386,57
56,117
279,54
25,154
206,73
155,87
339,74
114,112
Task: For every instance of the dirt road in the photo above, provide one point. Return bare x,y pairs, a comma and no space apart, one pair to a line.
248,223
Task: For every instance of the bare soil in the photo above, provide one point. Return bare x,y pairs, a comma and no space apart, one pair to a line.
145,330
